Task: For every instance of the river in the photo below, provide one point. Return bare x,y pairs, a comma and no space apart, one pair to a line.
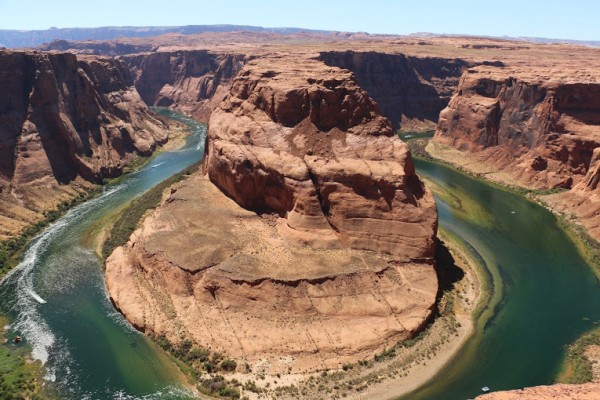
88,349
543,294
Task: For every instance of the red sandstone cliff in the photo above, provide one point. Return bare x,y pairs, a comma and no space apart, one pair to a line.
193,82
303,140
533,128
540,132
63,118
411,91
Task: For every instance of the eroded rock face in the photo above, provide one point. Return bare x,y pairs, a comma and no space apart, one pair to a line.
63,118
537,129
588,391
411,91
542,132
205,269
303,140
193,81
307,244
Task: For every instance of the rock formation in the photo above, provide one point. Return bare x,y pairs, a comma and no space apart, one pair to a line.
543,132
115,48
531,127
329,258
306,142
411,91
65,119
193,82
588,391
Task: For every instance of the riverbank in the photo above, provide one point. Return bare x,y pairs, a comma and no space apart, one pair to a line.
20,376
12,249
581,363
448,156
547,198
76,193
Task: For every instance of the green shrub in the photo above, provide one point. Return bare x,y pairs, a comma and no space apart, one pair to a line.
228,365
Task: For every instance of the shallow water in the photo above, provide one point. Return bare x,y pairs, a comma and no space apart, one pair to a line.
89,351
544,294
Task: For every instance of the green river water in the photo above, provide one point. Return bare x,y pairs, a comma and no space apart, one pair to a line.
88,349
545,295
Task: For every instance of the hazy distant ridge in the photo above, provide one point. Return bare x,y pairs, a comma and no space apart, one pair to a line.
23,38
20,38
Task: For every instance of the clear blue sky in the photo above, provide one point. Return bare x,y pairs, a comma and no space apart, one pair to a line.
569,19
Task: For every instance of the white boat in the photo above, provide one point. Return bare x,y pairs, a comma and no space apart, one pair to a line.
36,297
485,389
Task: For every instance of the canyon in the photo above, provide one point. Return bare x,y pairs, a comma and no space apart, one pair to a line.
306,239
535,128
69,122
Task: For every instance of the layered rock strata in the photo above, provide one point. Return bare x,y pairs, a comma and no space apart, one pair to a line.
203,268
411,91
309,242
65,120
304,141
531,129
193,82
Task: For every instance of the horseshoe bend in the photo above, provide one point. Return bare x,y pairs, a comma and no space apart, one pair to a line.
306,241
287,245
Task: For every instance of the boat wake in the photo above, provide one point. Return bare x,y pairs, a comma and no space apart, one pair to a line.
25,304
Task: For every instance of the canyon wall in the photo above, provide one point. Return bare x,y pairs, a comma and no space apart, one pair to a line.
307,244
191,81
411,91
532,128
65,120
541,132
113,48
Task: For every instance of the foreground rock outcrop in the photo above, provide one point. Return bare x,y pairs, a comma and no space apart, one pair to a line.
65,120
323,252
204,269
588,391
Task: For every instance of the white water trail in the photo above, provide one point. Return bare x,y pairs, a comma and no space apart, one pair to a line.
29,321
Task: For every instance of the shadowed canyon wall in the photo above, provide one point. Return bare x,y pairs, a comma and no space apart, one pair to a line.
411,91
193,82
63,119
